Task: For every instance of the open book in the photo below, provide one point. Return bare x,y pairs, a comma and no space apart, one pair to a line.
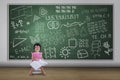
35,65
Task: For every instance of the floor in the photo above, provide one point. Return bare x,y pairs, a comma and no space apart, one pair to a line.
62,74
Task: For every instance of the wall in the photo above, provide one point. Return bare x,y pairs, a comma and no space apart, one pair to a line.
57,63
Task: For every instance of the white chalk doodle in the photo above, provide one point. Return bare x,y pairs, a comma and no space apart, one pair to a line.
82,53
50,52
27,57
97,27
36,18
73,24
27,23
95,10
12,57
21,31
103,36
72,43
83,42
96,48
17,24
22,49
107,46
22,57
94,36
65,52
65,9
62,17
53,24
99,15
18,41
42,11
22,11
34,39
18,57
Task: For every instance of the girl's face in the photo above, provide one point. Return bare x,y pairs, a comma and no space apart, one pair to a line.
37,48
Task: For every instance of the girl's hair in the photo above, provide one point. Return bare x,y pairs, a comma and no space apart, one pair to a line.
36,44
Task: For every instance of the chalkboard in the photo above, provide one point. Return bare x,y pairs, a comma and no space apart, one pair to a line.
64,31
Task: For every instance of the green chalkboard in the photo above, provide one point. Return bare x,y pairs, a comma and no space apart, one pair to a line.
64,31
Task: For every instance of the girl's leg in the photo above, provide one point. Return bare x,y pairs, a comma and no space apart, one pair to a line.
43,71
31,70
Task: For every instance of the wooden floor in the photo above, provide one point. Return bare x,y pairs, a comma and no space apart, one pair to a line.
62,74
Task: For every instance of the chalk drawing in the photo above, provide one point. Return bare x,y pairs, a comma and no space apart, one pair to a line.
50,52
18,41
12,57
34,39
18,57
27,23
83,42
103,36
22,57
96,47
82,53
65,9
17,24
94,36
107,46
22,50
72,43
21,11
62,17
97,27
53,52
13,24
95,10
53,24
16,51
43,11
27,57
36,18
65,52
21,31
20,22
73,24
98,15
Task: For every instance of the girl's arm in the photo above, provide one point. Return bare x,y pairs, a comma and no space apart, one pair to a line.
42,56
32,58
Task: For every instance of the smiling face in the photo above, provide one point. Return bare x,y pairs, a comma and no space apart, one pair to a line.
37,48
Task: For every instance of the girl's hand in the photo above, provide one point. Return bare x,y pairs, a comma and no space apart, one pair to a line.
35,59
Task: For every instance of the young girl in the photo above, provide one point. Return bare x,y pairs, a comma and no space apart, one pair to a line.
37,56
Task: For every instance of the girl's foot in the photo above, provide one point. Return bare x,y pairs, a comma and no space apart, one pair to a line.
44,74
30,74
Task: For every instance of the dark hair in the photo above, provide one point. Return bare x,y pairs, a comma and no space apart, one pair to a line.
36,44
